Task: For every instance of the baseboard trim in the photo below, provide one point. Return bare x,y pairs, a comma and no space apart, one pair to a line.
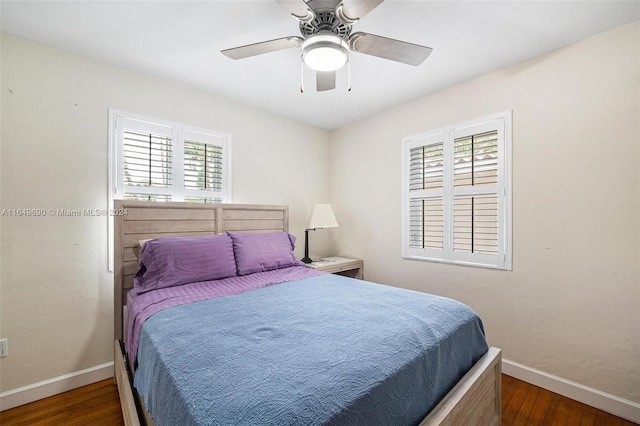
30,393
615,405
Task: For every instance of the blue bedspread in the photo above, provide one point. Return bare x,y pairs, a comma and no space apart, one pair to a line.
324,350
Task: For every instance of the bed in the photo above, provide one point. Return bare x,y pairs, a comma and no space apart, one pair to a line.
277,309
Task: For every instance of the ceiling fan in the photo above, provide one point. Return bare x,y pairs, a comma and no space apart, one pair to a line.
327,40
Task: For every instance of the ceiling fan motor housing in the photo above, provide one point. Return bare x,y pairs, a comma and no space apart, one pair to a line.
326,37
325,21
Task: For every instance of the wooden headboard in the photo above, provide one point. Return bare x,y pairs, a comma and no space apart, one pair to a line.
141,220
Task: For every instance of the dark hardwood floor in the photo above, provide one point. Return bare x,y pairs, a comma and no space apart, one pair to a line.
98,404
525,404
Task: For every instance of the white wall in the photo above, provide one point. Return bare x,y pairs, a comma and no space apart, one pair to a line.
56,293
571,305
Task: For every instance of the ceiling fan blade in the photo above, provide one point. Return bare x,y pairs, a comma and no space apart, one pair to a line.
299,9
262,47
351,11
325,80
388,48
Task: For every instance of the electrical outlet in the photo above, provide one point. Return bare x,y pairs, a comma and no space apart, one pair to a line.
4,348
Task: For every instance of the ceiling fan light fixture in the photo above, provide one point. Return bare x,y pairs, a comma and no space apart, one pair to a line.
325,52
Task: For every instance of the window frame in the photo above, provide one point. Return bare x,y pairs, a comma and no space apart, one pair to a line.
503,191
179,133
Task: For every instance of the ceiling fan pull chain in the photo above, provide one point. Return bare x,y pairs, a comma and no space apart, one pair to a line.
301,77
349,76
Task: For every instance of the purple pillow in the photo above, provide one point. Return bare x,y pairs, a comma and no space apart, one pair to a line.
173,261
263,252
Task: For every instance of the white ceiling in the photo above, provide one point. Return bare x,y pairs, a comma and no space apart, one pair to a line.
181,41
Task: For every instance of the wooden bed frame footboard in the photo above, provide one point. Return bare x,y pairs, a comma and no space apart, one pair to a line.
475,400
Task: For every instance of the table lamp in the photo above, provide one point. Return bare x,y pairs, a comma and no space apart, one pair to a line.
321,217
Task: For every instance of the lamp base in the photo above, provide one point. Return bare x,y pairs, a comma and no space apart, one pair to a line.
306,258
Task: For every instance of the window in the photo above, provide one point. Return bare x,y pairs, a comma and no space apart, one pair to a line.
162,161
457,194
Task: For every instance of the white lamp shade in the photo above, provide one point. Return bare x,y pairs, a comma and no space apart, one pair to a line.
322,217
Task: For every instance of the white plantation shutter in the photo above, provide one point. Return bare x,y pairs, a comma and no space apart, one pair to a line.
456,199
426,221
475,167
475,224
425,183
476,160
163,161
426,167
204,167
147,160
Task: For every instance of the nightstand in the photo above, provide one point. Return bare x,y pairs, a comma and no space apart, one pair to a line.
339,265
